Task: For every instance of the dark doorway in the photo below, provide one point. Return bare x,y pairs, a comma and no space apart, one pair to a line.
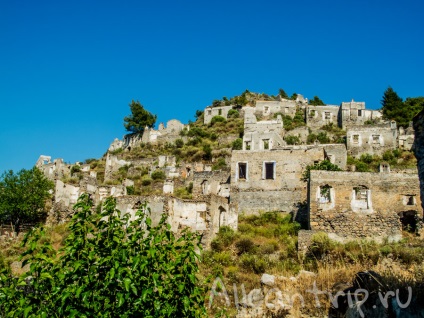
409,221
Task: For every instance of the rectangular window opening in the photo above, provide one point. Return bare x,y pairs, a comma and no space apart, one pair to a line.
266,144
242,169
269,170
327,115
355,139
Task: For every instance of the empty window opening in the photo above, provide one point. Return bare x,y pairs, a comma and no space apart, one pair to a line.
359,112
355,139
312,113
266,109
266,144
137,205
376,139
209,112
247,145
361,193
327,115
201,215
409,200
219,112
269,170
222,216
325,194
242,170
409,220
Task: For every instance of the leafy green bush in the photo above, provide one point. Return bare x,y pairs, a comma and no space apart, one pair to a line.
113,268
237,144
130,190
217,119
179,143
232,113
146,180
158,175
292,140
244,245
75,169
219,164
323,165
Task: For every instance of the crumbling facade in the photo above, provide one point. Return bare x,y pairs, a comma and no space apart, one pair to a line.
373,140
262,135
272,180
359,205
318,116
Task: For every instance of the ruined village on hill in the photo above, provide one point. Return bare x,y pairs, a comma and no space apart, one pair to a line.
266,174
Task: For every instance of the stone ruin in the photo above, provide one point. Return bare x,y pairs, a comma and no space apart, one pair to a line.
266,175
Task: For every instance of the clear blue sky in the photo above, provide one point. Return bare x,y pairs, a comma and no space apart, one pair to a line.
69,69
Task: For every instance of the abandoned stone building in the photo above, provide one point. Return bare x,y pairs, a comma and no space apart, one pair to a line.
266,175
261,135
359,205
318,116
374,140
271,180
354,114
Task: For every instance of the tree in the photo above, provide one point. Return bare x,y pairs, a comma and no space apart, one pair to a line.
283,93
392,104
23,196
139,118
394,108
316,101
110,266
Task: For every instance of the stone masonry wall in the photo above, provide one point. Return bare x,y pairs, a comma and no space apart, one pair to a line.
254,192
361,205
318,116
374,140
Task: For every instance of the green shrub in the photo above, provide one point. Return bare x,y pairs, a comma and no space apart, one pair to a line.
253,263
219,164
366,157
244,245
217,119
232,113
75,169
361,167
292,140
130,190
146,180
179,143
237,144
158,175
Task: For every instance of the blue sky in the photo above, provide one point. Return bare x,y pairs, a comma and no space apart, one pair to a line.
69,69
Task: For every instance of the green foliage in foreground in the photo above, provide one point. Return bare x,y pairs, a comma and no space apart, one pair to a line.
109,266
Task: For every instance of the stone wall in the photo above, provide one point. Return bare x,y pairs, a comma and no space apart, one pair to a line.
211,112
418,148
374,140
361,205
283,106
354,113
53,170
262,135
318,116
272,180
211,182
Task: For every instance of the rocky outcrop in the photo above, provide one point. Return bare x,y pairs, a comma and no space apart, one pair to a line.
418,149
